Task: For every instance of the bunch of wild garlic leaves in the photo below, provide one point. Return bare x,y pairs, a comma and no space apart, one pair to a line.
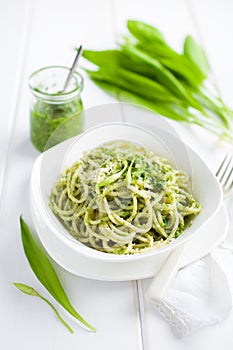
145,70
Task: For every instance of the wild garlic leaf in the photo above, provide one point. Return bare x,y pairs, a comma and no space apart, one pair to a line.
31,291
179,64
196,54
26,289
180,113
137,83
164,76
152,41
45,272
102,58
144,31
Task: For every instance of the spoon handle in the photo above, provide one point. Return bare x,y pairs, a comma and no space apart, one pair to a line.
166,274
72,69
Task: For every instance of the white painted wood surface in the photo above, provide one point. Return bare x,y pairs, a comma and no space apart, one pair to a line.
37,33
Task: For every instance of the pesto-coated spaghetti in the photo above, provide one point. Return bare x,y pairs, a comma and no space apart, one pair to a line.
120,198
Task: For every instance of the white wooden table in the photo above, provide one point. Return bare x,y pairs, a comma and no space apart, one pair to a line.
37,33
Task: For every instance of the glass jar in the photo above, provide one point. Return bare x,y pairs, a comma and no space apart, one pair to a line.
52,109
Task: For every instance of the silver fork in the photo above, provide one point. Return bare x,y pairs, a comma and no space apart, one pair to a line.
225,174
168,272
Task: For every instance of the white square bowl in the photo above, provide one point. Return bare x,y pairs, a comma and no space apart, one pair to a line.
87,262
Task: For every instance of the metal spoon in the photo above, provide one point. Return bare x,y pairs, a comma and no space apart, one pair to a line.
72,69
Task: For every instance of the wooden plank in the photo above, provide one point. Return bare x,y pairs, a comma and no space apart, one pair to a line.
59,27
14,24
214,22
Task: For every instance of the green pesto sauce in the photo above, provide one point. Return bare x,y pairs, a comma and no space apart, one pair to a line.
46,117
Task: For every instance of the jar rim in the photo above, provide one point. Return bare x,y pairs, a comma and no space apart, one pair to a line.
58,95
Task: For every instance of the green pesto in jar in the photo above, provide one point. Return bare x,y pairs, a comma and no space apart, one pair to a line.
45,118
54,116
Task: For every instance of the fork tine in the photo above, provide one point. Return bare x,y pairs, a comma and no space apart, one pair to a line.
225,173
229,176
231,186
229,179
221,166
224,168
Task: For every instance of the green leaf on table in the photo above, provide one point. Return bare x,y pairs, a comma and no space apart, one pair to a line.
196,54
45,272
151,41
137,83
26,289
163,75
113,59
182,67
31,291
103,58
145,32
180,113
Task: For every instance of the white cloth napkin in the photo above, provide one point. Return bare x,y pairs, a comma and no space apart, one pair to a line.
202,293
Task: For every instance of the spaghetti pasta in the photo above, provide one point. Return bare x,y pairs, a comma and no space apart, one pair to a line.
120,198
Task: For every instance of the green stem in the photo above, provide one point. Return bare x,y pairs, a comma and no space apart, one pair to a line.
217,105
57,313
32,292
